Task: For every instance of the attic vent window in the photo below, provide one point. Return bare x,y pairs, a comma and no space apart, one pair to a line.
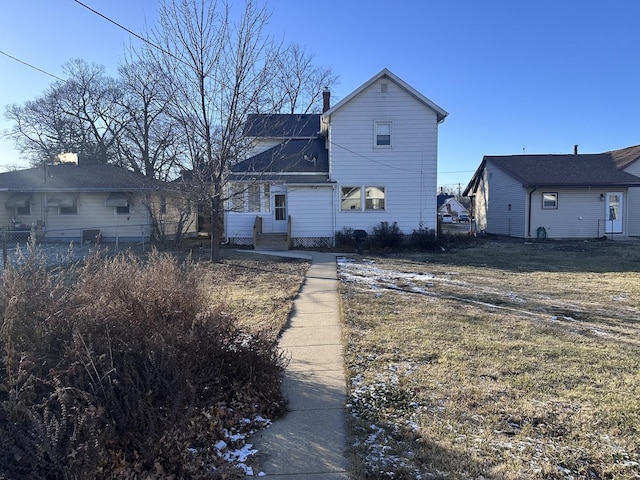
384,88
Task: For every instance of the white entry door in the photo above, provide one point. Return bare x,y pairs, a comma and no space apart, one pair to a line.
613,212
279,211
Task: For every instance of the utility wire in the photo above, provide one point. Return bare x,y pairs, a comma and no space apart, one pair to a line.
31,66
131,32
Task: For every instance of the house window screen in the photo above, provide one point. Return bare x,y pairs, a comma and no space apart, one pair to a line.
351,198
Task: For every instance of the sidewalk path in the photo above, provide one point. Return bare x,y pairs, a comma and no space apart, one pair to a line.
309,442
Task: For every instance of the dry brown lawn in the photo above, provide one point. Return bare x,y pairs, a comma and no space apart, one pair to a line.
503,360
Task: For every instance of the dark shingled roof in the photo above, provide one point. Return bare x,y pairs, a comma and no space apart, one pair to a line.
291,156
76,178
283,126
564,170
625,156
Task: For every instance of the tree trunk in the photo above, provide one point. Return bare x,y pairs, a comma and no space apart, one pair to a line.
216,229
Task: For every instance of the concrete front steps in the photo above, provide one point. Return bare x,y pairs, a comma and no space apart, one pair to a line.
276,242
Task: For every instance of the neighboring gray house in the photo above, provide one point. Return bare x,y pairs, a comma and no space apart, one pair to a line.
558,196
74,202
370,158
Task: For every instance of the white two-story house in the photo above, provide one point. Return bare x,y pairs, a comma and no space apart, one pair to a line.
370,158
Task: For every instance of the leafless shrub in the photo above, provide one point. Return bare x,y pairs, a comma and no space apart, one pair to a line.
109,367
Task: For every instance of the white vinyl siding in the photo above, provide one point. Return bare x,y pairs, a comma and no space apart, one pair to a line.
580,214
633,212
506,202
407,171
310,209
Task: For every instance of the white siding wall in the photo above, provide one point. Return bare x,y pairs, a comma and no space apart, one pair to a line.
240,225
407,170
311,211
632,211
92,213
580,214
505,204
633,202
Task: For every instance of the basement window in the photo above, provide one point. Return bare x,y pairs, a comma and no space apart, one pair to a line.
549,200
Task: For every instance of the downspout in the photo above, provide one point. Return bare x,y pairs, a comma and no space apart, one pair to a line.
529,213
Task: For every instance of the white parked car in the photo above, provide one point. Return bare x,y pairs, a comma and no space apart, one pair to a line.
446,218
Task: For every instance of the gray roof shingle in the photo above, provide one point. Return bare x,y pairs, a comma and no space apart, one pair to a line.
76,178
564,170
291,156
283,125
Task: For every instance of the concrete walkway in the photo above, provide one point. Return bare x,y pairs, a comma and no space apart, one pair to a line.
309,442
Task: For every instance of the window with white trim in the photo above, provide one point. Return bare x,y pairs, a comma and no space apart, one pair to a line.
351,198
374,198
549,200
367,198
383,133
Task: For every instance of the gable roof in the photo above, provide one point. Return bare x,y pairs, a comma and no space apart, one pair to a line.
580,170
440,113
282,125
76,178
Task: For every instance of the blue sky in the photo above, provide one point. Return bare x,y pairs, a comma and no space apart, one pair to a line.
515,75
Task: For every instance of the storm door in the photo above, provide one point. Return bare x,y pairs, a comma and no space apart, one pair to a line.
613,212
279,212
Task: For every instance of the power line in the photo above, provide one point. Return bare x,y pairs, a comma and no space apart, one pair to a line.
31,66
131,32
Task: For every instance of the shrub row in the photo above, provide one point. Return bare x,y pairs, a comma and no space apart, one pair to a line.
121,368
387,237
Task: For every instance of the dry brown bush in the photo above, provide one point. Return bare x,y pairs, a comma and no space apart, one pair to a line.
120,367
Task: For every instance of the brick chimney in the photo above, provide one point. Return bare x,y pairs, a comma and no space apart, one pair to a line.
575,149
326,99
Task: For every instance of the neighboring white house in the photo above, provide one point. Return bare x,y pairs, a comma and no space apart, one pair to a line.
74,202
370,158
558,196
452,207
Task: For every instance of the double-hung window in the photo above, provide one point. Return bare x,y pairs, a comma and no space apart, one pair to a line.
383,133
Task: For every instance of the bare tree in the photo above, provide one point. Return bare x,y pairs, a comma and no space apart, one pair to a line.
298,83
214,67
75,115
147,139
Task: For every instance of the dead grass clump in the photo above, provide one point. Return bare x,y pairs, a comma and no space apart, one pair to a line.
124,368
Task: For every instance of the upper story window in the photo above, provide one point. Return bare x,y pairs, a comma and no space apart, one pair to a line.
384,88
550,200
383,134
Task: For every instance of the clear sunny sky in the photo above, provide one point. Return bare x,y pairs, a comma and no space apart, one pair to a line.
534,76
